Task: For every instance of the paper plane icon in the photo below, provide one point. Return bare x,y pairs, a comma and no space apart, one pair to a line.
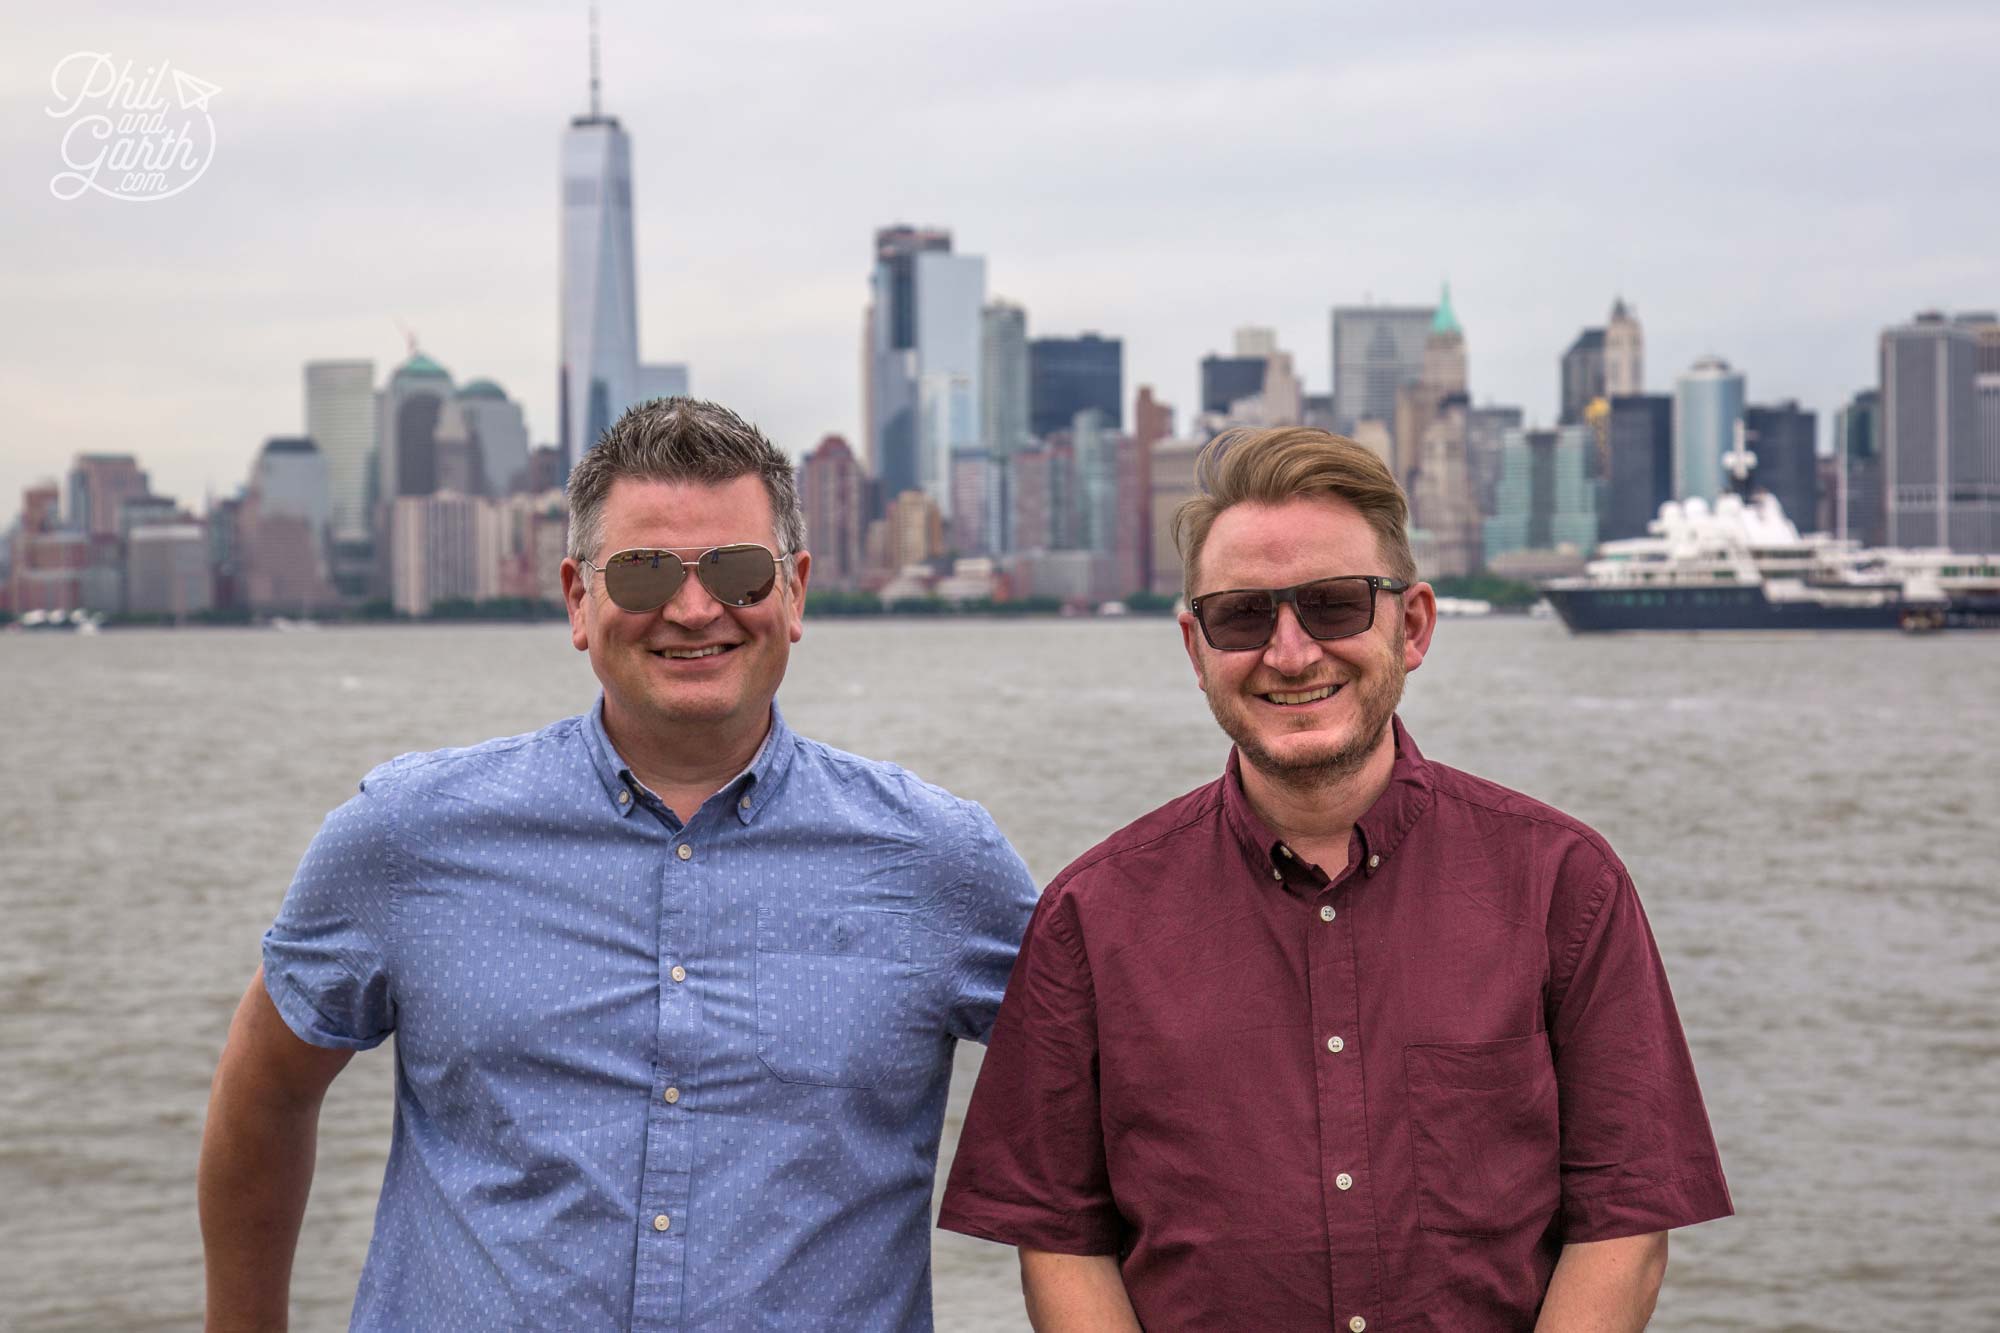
194,93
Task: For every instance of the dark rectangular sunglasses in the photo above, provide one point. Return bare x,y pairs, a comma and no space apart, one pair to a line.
645,579
1337,608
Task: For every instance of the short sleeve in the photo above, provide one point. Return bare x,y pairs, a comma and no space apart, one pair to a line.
997,895
1030,1168
326,960
1637,1152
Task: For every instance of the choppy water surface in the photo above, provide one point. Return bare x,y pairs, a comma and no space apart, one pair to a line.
1814,823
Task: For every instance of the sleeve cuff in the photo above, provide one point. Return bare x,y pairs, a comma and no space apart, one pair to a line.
1033,1226
306,1022
1699,1196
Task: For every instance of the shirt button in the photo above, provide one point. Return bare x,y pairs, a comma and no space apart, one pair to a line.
1373,861
679,973
1326,914
624,797
1284,851
661,1222
743,804
1357,1324
1277,873
684,851
1336,1045
1343,1181
672,1095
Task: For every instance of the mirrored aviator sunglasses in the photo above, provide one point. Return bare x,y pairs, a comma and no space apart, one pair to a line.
1337,608
646,579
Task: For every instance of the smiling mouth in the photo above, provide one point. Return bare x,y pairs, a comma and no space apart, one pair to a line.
1301,697
693,654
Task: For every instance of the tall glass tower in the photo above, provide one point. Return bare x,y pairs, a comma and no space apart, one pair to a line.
599,373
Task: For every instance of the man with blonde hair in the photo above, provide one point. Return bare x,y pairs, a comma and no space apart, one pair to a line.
1345,1039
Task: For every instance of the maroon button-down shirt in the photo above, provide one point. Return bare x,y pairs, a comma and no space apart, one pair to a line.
1286,1100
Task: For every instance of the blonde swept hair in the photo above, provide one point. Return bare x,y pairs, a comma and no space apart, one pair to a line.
1245,466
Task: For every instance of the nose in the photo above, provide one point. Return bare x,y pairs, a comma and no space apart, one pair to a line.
1291,651
692,606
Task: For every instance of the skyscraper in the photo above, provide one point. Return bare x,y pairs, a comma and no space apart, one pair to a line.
1442,375
923,359
1485,428
1941,472
98,485
498,431
341,421
412,407
1546,500
1857,443
1228,379
598,376
1068,375
1708,402
1624,352
1376,351
1583,381
831,490
282,528
1003,378
1641,475
1785,441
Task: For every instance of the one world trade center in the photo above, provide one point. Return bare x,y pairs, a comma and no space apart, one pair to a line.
599,374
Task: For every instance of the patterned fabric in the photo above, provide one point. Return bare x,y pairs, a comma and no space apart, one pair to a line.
648,1075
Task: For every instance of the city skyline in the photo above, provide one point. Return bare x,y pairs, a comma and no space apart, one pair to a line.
176,330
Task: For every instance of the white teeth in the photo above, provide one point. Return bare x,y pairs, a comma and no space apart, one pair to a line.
1306,698
699,652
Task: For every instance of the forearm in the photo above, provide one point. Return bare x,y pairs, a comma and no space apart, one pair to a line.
1075,1293
256,1170
1606,1286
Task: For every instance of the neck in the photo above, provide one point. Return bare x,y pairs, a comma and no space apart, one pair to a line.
690,762
1317,808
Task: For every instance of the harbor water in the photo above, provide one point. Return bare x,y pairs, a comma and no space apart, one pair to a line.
1813,822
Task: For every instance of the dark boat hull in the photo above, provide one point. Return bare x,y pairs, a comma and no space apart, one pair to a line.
1612,610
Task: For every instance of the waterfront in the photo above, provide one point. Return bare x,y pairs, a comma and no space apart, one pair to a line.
1809,818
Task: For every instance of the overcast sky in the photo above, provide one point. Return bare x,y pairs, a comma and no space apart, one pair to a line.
1772,182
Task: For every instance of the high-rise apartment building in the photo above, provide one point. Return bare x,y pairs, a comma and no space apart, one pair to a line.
833,491
1376,351
98,485
1941,433
1708,404
598,375
1070,375
1003,378
341,420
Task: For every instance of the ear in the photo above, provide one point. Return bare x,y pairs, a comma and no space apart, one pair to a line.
1191,641
576,588
795,610
1420,618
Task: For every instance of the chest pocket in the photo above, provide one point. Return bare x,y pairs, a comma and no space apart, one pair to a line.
835,995
1485,1134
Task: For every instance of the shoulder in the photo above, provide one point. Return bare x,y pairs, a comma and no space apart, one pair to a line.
878,791
1565,867
1155,842
477,772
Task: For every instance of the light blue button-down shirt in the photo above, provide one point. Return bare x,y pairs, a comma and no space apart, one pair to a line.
648,1075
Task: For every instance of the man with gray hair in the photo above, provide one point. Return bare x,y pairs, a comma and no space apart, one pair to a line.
675,990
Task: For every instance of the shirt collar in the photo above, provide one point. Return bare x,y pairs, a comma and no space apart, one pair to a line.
1382,827
751,790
